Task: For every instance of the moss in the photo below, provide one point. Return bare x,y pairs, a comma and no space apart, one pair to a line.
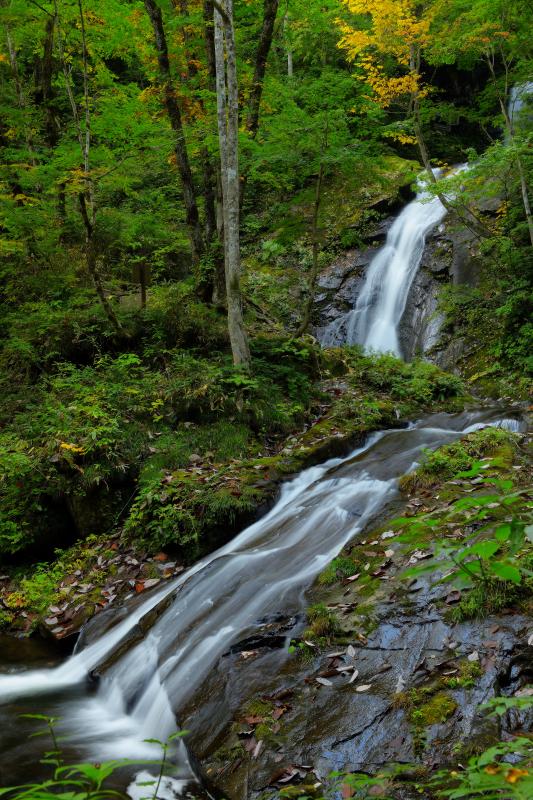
469,672
257,708
492,596
6,619
436,710
444,463
324,623
341,567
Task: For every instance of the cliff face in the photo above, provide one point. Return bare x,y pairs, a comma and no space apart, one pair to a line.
448,258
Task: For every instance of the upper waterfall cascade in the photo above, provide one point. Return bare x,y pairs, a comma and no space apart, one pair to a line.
374,320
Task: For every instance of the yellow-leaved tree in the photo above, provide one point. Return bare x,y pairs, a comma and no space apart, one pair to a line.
387,39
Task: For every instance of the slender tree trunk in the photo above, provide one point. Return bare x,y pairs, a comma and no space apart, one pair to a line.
214,216
306,318
288,46
86,197
92,264
465,215
228,131
520,169
174,115
270,10
21,96
47,70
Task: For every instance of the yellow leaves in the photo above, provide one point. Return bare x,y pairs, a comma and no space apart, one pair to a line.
514,775
147,94
71,448
3,59
403,138
396,29
24,200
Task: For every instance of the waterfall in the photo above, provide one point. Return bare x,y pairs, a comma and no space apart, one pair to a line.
520,96
375,319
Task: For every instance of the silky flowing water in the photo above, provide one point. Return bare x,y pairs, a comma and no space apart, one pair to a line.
375,318
219,601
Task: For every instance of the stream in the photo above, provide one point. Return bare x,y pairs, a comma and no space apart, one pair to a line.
150,664
133,673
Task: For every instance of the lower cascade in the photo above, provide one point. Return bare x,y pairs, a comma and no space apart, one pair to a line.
128,685
375,318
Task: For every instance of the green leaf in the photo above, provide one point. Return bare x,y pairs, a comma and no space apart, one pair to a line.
506,571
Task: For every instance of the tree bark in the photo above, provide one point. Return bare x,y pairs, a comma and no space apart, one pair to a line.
47,69
174,115
261,56
21,96
213,183
263,48
288,47
228,132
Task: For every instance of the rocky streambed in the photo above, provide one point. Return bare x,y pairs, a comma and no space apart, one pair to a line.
383,671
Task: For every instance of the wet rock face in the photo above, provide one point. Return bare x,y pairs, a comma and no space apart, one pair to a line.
403,706
447,258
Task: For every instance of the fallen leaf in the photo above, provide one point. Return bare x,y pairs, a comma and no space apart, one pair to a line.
453,597
353,577
354,676
389,553
473,656
161,557
350,651
527,691
363,687
323,681
248,653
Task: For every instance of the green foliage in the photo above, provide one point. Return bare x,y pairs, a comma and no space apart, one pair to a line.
419,382
340,567
491,555
96,781
446,462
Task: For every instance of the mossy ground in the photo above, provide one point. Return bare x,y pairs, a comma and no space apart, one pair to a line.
188,503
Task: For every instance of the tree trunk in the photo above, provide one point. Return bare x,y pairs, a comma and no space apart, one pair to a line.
228,131
520,169
47,69
288,47
315,244
261,56
92,265
21,97
174,115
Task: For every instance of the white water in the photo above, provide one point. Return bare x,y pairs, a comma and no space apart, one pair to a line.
375,319
223,598
519,97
